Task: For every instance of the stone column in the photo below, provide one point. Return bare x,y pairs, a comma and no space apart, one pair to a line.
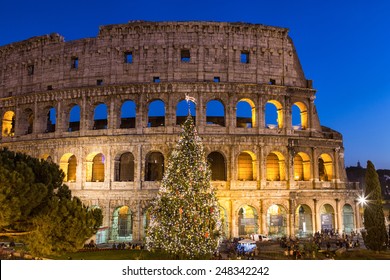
233,168
292,206
337,215
288,115
139,178
314,173
84,121
112,114
315,220
230,219
37,125
336,177
260,114
262,160
264,218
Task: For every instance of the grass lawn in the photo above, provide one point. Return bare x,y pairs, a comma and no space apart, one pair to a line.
364,254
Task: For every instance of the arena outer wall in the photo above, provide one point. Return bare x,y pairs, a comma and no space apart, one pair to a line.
274,178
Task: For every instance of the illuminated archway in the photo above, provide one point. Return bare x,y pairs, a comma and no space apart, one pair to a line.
299,116
217,166
325,168
275,167
245,166
348,220
68,164
247,220
8,124
215,113
122,224
224,221
277,220
327,217
245,113
95,167
301,167
145,221
274,114
303,221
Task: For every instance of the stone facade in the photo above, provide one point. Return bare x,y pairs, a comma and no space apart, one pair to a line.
106,110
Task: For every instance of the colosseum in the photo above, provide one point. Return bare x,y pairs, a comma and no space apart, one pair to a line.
108,111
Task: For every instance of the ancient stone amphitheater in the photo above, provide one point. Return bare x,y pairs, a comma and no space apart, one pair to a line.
108,111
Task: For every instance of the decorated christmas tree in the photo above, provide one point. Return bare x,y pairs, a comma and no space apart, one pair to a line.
184,217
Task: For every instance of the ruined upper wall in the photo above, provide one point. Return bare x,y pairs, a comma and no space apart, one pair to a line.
215,49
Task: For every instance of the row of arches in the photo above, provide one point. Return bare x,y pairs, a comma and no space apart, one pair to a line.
124,166
247,221
277,215
215,115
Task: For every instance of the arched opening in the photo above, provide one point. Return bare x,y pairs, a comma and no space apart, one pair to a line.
74,119
246,113
154,169
145,221
156,113
273,114
215,113
245,167
102,233
128,114
27,123
217,166
325,168
299,116
327,218
348,222
303,218
124,168
8,124
100,117
277,220
122,224
301,167
68,164
51,120
98,168
224,222
275,167
182,111
247,220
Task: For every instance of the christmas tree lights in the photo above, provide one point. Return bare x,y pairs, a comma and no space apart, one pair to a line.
184,217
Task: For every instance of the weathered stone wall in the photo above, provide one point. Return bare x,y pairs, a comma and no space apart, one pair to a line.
272,75
215,50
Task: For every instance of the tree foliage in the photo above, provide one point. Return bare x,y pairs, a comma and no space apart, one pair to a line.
374,219
34,201
185,214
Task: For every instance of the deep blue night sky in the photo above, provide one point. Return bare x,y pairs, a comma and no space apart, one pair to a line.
343,47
